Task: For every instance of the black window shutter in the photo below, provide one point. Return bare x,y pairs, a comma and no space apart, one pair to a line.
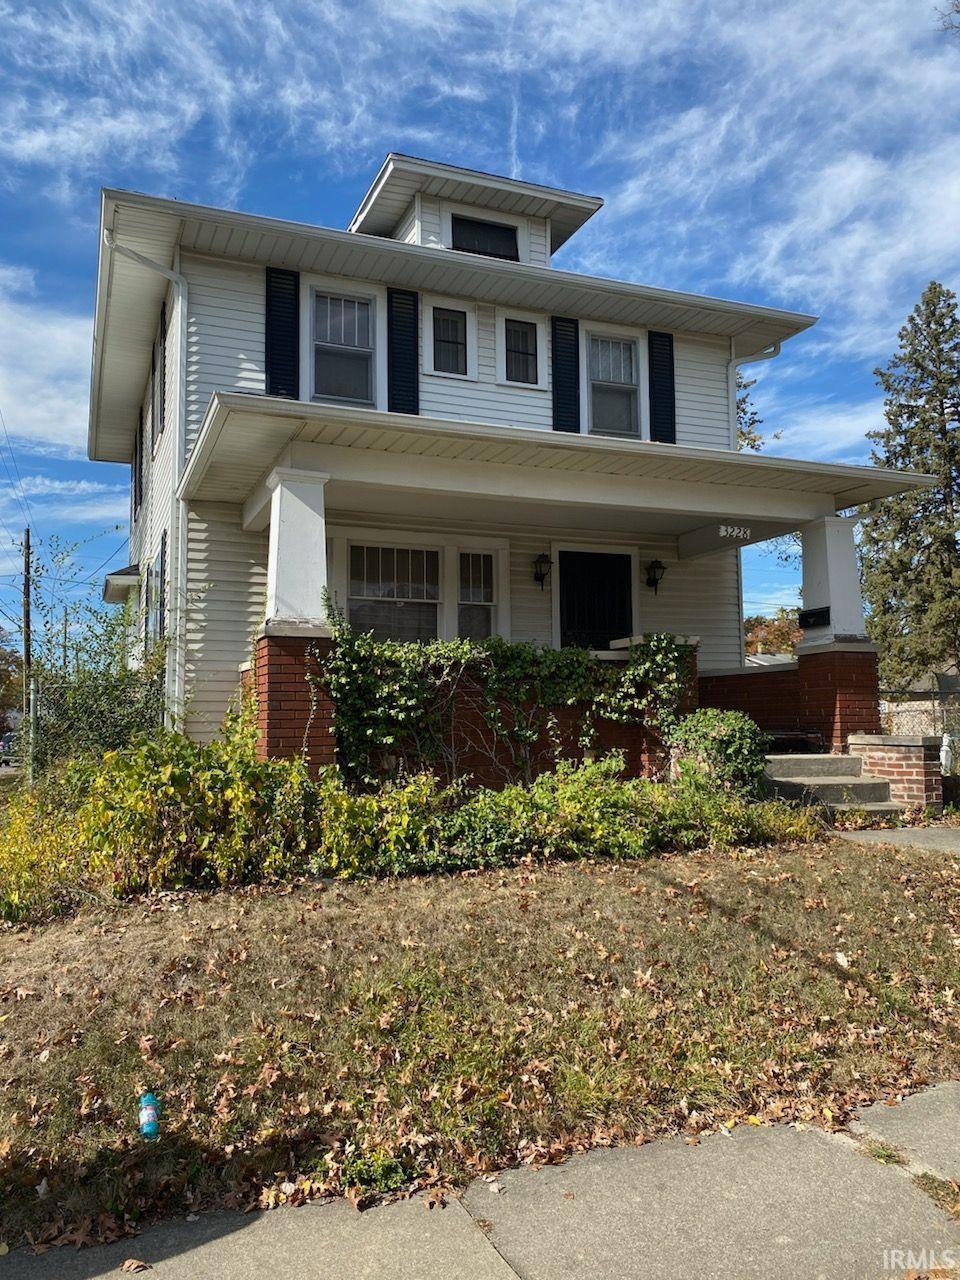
282,333
153,398
403,373
565,342
162,589
663,401
162,371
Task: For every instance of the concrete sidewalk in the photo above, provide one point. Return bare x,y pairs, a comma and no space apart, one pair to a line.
940,839
760,1202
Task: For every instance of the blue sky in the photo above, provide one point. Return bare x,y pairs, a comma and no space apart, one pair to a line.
804,154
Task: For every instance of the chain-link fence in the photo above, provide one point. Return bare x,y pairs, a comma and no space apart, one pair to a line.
927,713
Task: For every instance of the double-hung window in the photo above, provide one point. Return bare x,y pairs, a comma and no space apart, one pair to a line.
614,400
449,341
520,347
395,592
400,592
343,367
476,596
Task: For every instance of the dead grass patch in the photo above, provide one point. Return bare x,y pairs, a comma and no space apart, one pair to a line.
313,1040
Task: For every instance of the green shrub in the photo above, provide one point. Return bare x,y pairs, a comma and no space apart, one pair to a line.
167,812
43,867
395,830
725,744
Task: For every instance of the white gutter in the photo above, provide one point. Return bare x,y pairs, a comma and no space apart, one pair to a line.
178,511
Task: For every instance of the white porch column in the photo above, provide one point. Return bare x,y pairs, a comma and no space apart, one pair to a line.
831,581
297,558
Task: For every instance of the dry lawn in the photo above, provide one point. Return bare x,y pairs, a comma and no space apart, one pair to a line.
357,1038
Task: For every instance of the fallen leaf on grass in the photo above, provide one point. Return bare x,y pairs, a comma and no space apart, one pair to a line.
4,1248
134,1264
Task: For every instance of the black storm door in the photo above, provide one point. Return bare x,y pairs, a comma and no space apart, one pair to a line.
596,599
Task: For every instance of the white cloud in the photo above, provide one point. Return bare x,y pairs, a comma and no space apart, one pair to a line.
44,375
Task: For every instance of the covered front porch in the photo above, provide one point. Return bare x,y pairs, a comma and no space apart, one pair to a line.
419,528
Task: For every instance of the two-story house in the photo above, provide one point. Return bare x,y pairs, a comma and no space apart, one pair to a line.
424,418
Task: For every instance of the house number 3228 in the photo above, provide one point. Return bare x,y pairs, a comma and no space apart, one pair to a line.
734,531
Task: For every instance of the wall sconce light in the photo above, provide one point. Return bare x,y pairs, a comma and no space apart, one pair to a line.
541,568
655,571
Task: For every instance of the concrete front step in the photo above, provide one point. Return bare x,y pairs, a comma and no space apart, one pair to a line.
812,766
880,809
850,789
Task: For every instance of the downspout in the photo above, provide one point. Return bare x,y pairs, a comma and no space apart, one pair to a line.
768,353
178,513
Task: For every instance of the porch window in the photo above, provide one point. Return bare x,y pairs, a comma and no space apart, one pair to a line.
613,387
343,349
476,598
395,592
449,341
521,351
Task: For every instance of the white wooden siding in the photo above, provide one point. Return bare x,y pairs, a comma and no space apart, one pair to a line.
407,229
431,228
226,597
702,391
156,509
539,242
484,399
225,333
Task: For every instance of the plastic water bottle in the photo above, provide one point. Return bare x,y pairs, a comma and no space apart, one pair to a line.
149,1117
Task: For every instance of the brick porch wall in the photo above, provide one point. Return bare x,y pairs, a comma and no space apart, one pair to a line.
293,720
911,765
285,700
833,693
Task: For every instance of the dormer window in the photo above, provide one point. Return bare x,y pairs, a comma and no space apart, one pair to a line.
491,239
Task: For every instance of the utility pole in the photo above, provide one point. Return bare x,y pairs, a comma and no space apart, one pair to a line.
64,639
27,647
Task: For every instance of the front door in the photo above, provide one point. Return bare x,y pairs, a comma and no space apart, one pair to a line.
596,598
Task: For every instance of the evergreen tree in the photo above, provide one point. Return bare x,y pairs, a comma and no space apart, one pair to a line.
909,551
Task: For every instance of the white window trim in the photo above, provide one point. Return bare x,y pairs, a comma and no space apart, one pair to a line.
543,352
603,548
376,295
428,302
639,336
479,214
342,537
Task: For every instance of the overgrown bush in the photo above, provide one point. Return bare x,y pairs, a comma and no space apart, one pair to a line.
168,812
727,745
425,706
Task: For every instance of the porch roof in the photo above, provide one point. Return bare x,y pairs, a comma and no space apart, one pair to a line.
243,437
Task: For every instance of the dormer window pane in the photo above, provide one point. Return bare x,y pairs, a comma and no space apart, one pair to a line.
492,239
613,387
343,349
449,341
521,350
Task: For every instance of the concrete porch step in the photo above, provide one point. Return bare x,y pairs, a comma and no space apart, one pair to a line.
833,789
882,809
812,766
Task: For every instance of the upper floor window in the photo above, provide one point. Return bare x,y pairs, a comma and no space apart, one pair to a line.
614,402
343,347
492,239
520,345
449,341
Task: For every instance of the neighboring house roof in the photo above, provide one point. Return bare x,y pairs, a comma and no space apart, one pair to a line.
129,294
119,582
402,177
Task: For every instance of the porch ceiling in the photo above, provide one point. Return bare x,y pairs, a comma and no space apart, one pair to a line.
434,468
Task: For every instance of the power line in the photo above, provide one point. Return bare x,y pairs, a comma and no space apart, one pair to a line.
18,487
